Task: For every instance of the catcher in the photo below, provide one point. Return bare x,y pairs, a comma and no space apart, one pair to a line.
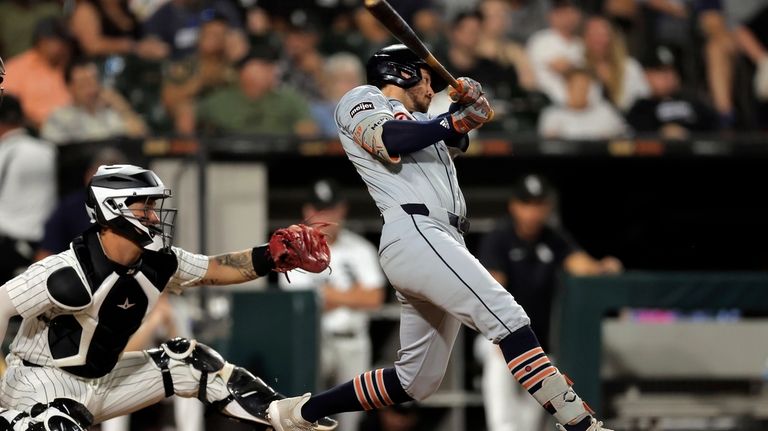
80,307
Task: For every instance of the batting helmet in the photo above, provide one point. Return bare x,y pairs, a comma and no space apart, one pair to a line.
398,65
114,188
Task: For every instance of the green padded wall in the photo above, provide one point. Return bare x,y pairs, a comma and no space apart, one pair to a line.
275,335
587,299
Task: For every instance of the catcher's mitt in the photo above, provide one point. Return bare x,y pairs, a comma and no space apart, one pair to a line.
299,246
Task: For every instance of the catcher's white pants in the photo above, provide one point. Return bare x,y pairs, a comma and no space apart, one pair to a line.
134,383
188,414
440,286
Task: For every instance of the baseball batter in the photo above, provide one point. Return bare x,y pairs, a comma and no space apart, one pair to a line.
406,160
66,370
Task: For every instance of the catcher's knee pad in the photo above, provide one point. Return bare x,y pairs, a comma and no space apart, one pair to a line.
560,400
201,357
61,414
248,396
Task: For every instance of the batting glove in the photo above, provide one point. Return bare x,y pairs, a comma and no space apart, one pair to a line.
472,116
468,92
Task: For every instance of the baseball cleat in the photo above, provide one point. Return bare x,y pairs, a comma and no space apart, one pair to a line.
595,425
285,415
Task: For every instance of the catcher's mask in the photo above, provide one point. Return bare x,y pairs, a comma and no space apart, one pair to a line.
398,65
130,200
2,78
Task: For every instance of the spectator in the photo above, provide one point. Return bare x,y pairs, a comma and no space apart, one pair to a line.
668,110
38,73
196,76
581,117
370,37
96,112
720,56
500,83
341,73
525,253
27,189
17,23
177,24
143,9
527,17
621,76
259,28
108,27
302,64
258,105
354,285
421,15
495,46
555,50
752,37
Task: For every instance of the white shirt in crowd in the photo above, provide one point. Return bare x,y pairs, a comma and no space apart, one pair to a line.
597,121
353,260
635,85
544,47
27,185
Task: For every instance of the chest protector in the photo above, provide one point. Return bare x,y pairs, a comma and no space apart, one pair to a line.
104,312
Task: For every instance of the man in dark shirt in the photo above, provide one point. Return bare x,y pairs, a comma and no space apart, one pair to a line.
177,23
525,254
668,111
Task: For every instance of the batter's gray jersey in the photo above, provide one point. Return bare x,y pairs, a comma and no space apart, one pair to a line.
426,176
439,283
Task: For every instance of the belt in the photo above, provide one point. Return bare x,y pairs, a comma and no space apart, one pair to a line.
461,223
349,334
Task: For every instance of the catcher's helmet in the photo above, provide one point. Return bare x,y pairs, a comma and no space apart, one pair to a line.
389,65
116,187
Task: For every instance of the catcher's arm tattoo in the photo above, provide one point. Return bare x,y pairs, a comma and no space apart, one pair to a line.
230,268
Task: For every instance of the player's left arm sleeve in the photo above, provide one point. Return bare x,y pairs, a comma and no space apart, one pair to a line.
190,271
224,269
404,136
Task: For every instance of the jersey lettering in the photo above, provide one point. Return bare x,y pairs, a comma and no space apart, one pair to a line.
362,106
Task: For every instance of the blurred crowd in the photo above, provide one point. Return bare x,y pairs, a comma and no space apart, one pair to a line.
590,69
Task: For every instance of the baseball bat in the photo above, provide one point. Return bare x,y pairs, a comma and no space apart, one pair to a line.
396,25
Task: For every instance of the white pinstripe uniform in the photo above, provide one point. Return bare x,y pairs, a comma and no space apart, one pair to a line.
34,376
439,283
